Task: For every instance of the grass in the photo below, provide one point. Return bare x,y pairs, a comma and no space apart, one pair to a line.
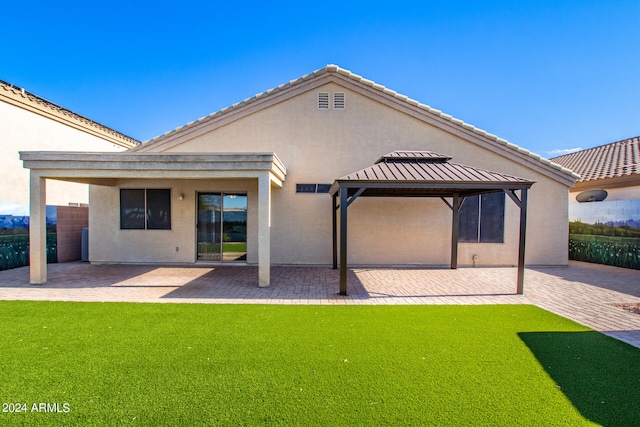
181,364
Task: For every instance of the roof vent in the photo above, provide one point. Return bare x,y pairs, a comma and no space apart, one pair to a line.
338,101
323,100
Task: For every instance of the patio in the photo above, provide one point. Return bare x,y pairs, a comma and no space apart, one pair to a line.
582,292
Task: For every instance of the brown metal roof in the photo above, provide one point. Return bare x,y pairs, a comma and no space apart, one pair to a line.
424,174
618,159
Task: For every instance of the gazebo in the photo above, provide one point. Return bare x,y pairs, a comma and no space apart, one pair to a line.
424,174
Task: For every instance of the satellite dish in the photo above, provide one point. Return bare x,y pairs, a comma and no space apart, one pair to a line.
591,196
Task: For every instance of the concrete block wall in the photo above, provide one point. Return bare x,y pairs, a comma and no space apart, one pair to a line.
70,222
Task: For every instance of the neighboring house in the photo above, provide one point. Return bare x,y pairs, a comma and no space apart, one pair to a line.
614,168
604,205
249,183
30,123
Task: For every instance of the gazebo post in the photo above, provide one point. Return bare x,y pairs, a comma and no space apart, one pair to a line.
523,235
455,231
343,240
334,216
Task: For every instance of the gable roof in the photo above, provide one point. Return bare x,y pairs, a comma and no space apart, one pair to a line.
368,88
614,160
28,101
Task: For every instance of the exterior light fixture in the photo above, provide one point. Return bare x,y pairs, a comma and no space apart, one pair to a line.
181,196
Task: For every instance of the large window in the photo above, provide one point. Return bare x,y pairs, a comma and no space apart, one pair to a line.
142,209
482,219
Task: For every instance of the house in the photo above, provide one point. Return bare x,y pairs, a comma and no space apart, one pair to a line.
254,183
604,205
29,122
613,168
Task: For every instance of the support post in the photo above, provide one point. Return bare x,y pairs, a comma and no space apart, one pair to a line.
37,229
334,216
343,241
523,236
264,231
455,231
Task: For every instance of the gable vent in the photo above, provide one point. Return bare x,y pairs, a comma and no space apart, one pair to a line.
323,100
338,101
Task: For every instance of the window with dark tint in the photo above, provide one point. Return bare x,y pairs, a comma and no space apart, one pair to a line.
482,219
492,218
323,188
305,188
158,209
145,209
312,188
469,218
132,209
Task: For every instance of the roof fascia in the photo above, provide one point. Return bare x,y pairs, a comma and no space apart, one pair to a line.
29,102
604,183
83,166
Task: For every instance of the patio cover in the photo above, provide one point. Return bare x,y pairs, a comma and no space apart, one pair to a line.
424,174
107,168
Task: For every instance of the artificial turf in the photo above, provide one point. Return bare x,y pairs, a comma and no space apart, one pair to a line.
181,364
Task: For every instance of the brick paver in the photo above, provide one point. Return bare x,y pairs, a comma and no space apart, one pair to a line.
582,292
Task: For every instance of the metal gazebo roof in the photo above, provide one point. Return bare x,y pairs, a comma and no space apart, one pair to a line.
423,174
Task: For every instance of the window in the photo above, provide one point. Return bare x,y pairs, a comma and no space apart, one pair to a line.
323,188
142,209
312,188
482,219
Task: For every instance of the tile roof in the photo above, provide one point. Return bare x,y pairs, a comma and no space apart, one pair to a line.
331,68
617,159
31,102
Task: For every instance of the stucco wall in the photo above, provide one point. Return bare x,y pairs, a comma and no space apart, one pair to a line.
22,130
109,244
613,194
70,222
319,146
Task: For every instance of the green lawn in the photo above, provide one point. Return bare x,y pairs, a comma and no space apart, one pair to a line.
181,364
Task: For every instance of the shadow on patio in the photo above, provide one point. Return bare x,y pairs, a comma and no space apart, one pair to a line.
224,282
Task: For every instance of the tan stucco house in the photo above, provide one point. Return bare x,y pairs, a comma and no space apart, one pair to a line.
29,122
604,205
253,183
613,168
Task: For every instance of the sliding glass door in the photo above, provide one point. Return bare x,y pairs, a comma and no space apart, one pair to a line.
222,227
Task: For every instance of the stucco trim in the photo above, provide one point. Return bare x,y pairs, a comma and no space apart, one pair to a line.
105,168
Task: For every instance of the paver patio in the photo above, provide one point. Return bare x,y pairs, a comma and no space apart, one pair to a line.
582,292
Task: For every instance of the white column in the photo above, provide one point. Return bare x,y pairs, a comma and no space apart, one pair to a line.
37,229
264,230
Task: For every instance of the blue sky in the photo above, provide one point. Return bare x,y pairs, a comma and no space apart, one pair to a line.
546,75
